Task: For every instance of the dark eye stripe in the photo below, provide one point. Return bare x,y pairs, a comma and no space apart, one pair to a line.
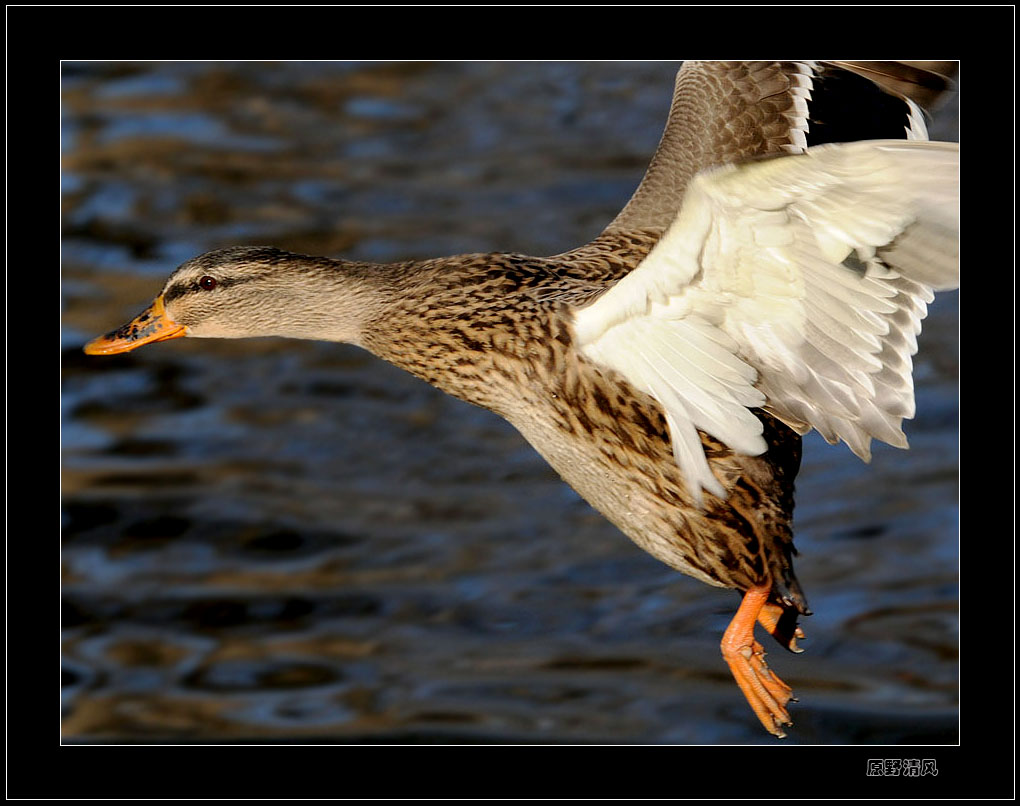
179,289
175,291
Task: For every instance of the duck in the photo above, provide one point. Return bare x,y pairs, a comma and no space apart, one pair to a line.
768,277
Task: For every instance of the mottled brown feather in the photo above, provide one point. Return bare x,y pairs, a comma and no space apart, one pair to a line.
604,437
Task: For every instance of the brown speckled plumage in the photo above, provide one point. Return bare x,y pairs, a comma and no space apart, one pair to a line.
604,437
500,331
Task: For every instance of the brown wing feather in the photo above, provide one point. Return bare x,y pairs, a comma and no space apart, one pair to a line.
924,83
722,112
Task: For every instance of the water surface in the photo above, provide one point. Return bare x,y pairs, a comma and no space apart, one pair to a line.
277,540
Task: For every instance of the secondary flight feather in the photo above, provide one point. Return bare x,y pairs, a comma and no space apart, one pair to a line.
796,284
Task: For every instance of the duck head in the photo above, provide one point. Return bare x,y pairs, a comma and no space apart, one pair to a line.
252,291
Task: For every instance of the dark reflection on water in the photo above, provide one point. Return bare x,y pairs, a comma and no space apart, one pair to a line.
291,540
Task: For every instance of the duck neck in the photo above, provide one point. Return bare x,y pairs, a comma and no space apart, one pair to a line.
335,300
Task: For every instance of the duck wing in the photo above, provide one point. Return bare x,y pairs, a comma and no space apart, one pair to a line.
796,284
727,112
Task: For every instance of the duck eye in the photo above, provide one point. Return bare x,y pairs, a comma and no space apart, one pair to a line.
207,282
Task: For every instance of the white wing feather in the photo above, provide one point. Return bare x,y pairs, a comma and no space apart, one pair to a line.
795,284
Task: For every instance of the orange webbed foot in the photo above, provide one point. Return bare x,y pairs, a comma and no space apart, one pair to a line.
766,693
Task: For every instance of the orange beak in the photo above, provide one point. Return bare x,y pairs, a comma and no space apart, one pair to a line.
150,325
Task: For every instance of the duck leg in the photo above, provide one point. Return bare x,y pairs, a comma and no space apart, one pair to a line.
766,693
